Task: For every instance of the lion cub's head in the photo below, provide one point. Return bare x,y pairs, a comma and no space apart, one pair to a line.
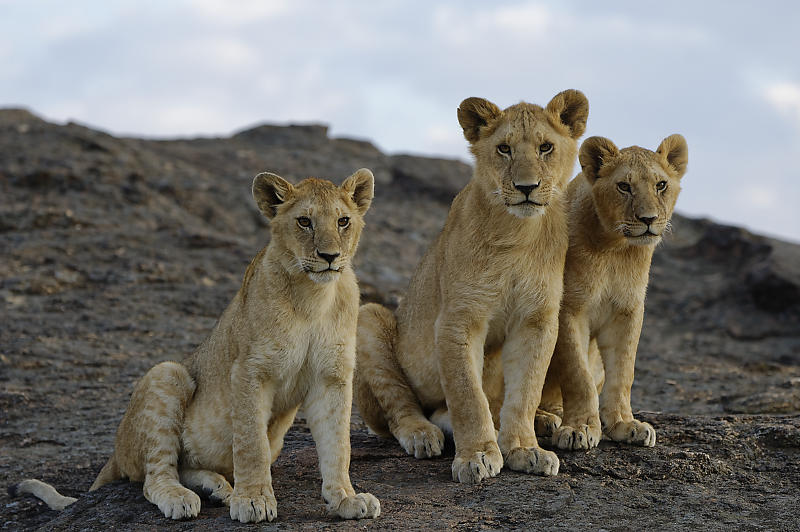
634,189
317,224
524,153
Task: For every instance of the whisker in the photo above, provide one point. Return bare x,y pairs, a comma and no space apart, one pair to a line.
301,266
623,228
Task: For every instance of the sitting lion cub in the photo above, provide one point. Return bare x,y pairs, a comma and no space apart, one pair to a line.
487,289
287,339
620,206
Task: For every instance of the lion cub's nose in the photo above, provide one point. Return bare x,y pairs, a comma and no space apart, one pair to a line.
526,189
647,219
330,257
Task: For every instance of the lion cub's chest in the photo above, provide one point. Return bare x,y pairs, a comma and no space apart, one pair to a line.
292,362
519,291
614,287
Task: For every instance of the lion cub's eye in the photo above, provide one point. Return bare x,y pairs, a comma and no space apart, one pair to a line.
344,221
504,149
623,186
304,222
545,148
661,185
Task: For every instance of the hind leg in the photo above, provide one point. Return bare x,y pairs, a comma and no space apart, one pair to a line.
550,411
148,439
385,400
207,483
580,427
493,385
367,404
278,426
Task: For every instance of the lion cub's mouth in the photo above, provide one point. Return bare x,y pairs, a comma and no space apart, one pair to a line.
324,276
531,202
526,209
646,238
326,270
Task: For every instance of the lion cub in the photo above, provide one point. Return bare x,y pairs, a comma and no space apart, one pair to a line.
287,339
619,207
486,292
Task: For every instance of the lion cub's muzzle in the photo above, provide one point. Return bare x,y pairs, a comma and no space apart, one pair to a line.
645,231
324,267
526,200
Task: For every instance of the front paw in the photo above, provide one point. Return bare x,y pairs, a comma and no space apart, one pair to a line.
359,506
422,440
546,423
574,438
178,503
472,467
249,507
532,460
634,432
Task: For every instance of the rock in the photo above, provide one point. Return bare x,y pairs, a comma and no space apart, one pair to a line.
439,178
119,253
294,136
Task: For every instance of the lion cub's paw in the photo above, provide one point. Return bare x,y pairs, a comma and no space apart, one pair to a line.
216,489
220,494
253,509
359,506
583,437
634,432
532,460
472,468
546,423
179,504
422,441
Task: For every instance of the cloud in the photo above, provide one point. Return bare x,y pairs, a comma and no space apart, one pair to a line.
785,98
224,54
525,19
762,197
518,23
394,72
236,12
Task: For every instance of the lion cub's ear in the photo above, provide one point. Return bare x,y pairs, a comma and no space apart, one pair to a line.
269,191
595,152
571,109
674,153
475,113
361,187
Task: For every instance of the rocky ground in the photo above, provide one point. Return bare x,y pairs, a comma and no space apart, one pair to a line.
119,253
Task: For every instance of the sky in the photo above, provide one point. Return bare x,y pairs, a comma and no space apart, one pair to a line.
725,74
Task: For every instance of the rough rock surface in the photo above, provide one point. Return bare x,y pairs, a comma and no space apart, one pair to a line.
119,253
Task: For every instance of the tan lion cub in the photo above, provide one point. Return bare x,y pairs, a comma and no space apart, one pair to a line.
488,288
620,205
287,339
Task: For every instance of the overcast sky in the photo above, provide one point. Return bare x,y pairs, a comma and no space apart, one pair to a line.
725,74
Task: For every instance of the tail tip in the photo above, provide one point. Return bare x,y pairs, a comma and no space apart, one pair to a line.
13,490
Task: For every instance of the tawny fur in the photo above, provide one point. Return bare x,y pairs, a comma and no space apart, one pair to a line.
287,339
485,293
619,208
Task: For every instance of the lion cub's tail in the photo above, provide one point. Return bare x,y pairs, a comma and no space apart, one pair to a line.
43,491
51,497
